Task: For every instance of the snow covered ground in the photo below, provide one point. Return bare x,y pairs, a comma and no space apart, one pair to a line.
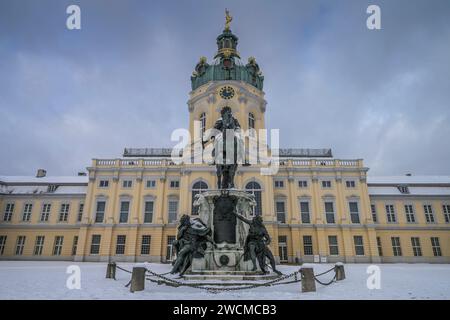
47,280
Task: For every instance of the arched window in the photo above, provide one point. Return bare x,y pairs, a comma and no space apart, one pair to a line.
251,121
197,188
254,188
203,122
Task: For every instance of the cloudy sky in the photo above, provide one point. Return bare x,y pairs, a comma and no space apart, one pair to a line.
123,79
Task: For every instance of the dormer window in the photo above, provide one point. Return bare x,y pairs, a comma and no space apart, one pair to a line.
52,188
403,189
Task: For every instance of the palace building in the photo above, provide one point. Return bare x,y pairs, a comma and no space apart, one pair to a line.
316,208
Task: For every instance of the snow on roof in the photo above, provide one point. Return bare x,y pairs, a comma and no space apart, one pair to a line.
24,189
414,191
408,180
45,180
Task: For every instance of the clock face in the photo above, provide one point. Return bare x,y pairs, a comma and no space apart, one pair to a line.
226,92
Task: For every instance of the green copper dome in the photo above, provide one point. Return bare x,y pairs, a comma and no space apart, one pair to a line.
227,65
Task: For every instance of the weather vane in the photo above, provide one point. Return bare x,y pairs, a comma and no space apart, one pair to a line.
228,19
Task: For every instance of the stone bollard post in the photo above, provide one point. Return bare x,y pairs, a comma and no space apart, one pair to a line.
111,271
340,273
308,282
138,279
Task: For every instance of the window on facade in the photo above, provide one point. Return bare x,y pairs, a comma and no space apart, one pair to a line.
27,209
359,245
415,243
251,121
64,212
279,184
390,213
57,248
380,248
373,210
148,211
307,246
282,248
326,184
403,189
38,245
254,188
9,209
198,187
120,244
173,210
95,243
124,209
409,213
446,210
103,183
304,211
281,211
145,244
436,246
174,184
170,252
396,248
354,212
350,184
127,183
429,215
100,212
333,245
2,244
45,213
151,183
80,212
20,244
203,122
329,212
74,245
303,183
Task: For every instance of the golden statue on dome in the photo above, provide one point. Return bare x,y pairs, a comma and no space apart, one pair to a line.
228,19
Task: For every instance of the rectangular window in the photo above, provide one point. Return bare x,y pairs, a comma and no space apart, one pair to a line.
429,215
120,244
100,212
173,210
354,212
446,210
282,248
279,184
333,245
170,253
307,246
148,212
57,248
45,214
174,184
359,245
350,183
409,212
75,245
9,209
380,248
124,209
145,244
80,212
436,246
415,243
329,212
304,210
64,212
95,243
27,208
38,245
390,213
2,244
326,184
281,211
373,209
151,184
396,247
127,183
103,184
303,184
20,244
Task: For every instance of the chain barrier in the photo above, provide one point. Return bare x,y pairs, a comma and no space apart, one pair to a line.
325,272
